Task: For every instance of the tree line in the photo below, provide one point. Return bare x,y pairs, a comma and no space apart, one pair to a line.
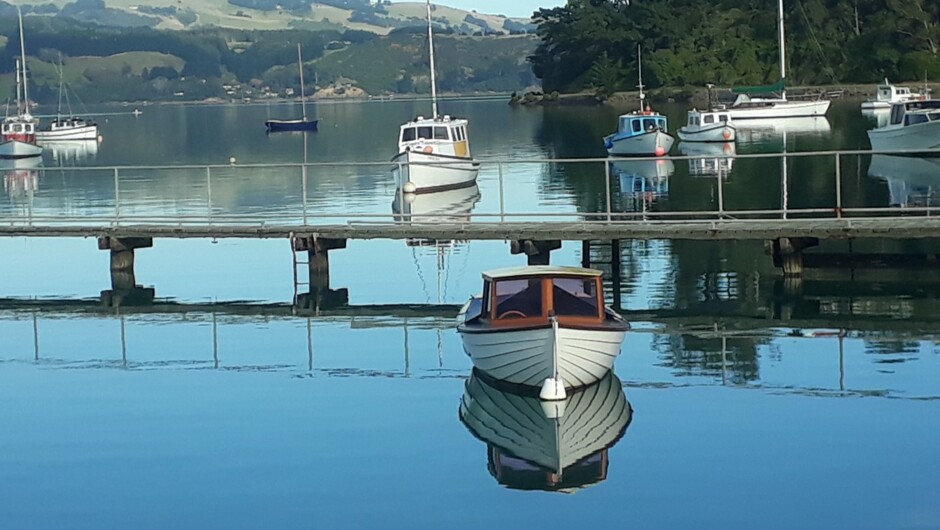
593,43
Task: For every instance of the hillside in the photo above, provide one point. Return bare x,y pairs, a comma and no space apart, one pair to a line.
363,15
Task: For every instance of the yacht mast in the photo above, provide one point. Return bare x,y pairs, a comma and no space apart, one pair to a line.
23,63
783,48
431,55
300,66
639,69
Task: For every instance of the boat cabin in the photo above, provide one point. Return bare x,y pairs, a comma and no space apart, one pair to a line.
444,135
18,129
530,295
914,112
699,119
641,123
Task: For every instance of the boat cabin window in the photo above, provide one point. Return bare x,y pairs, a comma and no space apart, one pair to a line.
519,298
649,124
408,135
440,133
455,132
693,120
710,118
575,297
425,133
912,119
897,114
486,299
723,118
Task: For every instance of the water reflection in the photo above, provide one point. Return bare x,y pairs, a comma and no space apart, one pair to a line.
770,130
717,158
71,152
912,181
643,181
877,116
21,177
535,445
441,206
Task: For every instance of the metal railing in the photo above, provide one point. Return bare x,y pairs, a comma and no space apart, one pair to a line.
133,195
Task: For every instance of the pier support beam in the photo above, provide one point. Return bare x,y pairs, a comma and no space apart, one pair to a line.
318,254
538,252
787,253
122,258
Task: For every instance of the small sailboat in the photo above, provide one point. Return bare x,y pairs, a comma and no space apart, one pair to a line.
542,326
747,107
434,153
18,133
560,446
301,124
642,132
67,127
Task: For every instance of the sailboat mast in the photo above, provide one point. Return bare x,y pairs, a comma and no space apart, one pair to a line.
783,48
300,66
431,56
19,89
23,63
639,69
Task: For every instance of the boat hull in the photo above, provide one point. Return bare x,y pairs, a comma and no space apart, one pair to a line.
918,137
781,109
291,125
86,132
656,143
525,356
430,172
720,133
18,149
875,105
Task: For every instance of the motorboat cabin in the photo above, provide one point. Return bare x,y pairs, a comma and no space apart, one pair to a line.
539,324
445,136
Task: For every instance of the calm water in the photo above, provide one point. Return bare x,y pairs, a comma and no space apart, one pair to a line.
756,403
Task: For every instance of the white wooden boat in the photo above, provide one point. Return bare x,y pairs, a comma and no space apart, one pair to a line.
746,106
542,326
888,94
18,133
68,128
433,153
708,126
643,132
912,126
557,446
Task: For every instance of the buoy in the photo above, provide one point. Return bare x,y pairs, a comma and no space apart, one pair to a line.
409,187
553,389
231,160
726,134
660,151
428,149
100,138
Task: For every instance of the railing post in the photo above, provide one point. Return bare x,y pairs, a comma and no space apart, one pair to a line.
209,194
117,197
721,195
838,186
303,177
502,197
607,182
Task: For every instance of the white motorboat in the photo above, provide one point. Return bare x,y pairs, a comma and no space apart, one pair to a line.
68,128
913,126
18,133
747,107
532,445
642,132
542,326
889,94
433,153
708,126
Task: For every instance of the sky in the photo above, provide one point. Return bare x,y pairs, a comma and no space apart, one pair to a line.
510,8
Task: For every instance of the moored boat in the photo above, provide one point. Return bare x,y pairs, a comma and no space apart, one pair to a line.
913,126
558,446
18,133
642,132
68,128
296,124
433,153
542,326
708,126
888,94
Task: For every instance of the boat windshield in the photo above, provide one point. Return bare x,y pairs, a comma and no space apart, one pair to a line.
521,298
575,297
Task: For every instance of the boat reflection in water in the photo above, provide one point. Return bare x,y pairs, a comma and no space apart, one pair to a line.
552,446
877,116
453,205
717,158
21,176
912,181
646,179
71,152
764,130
